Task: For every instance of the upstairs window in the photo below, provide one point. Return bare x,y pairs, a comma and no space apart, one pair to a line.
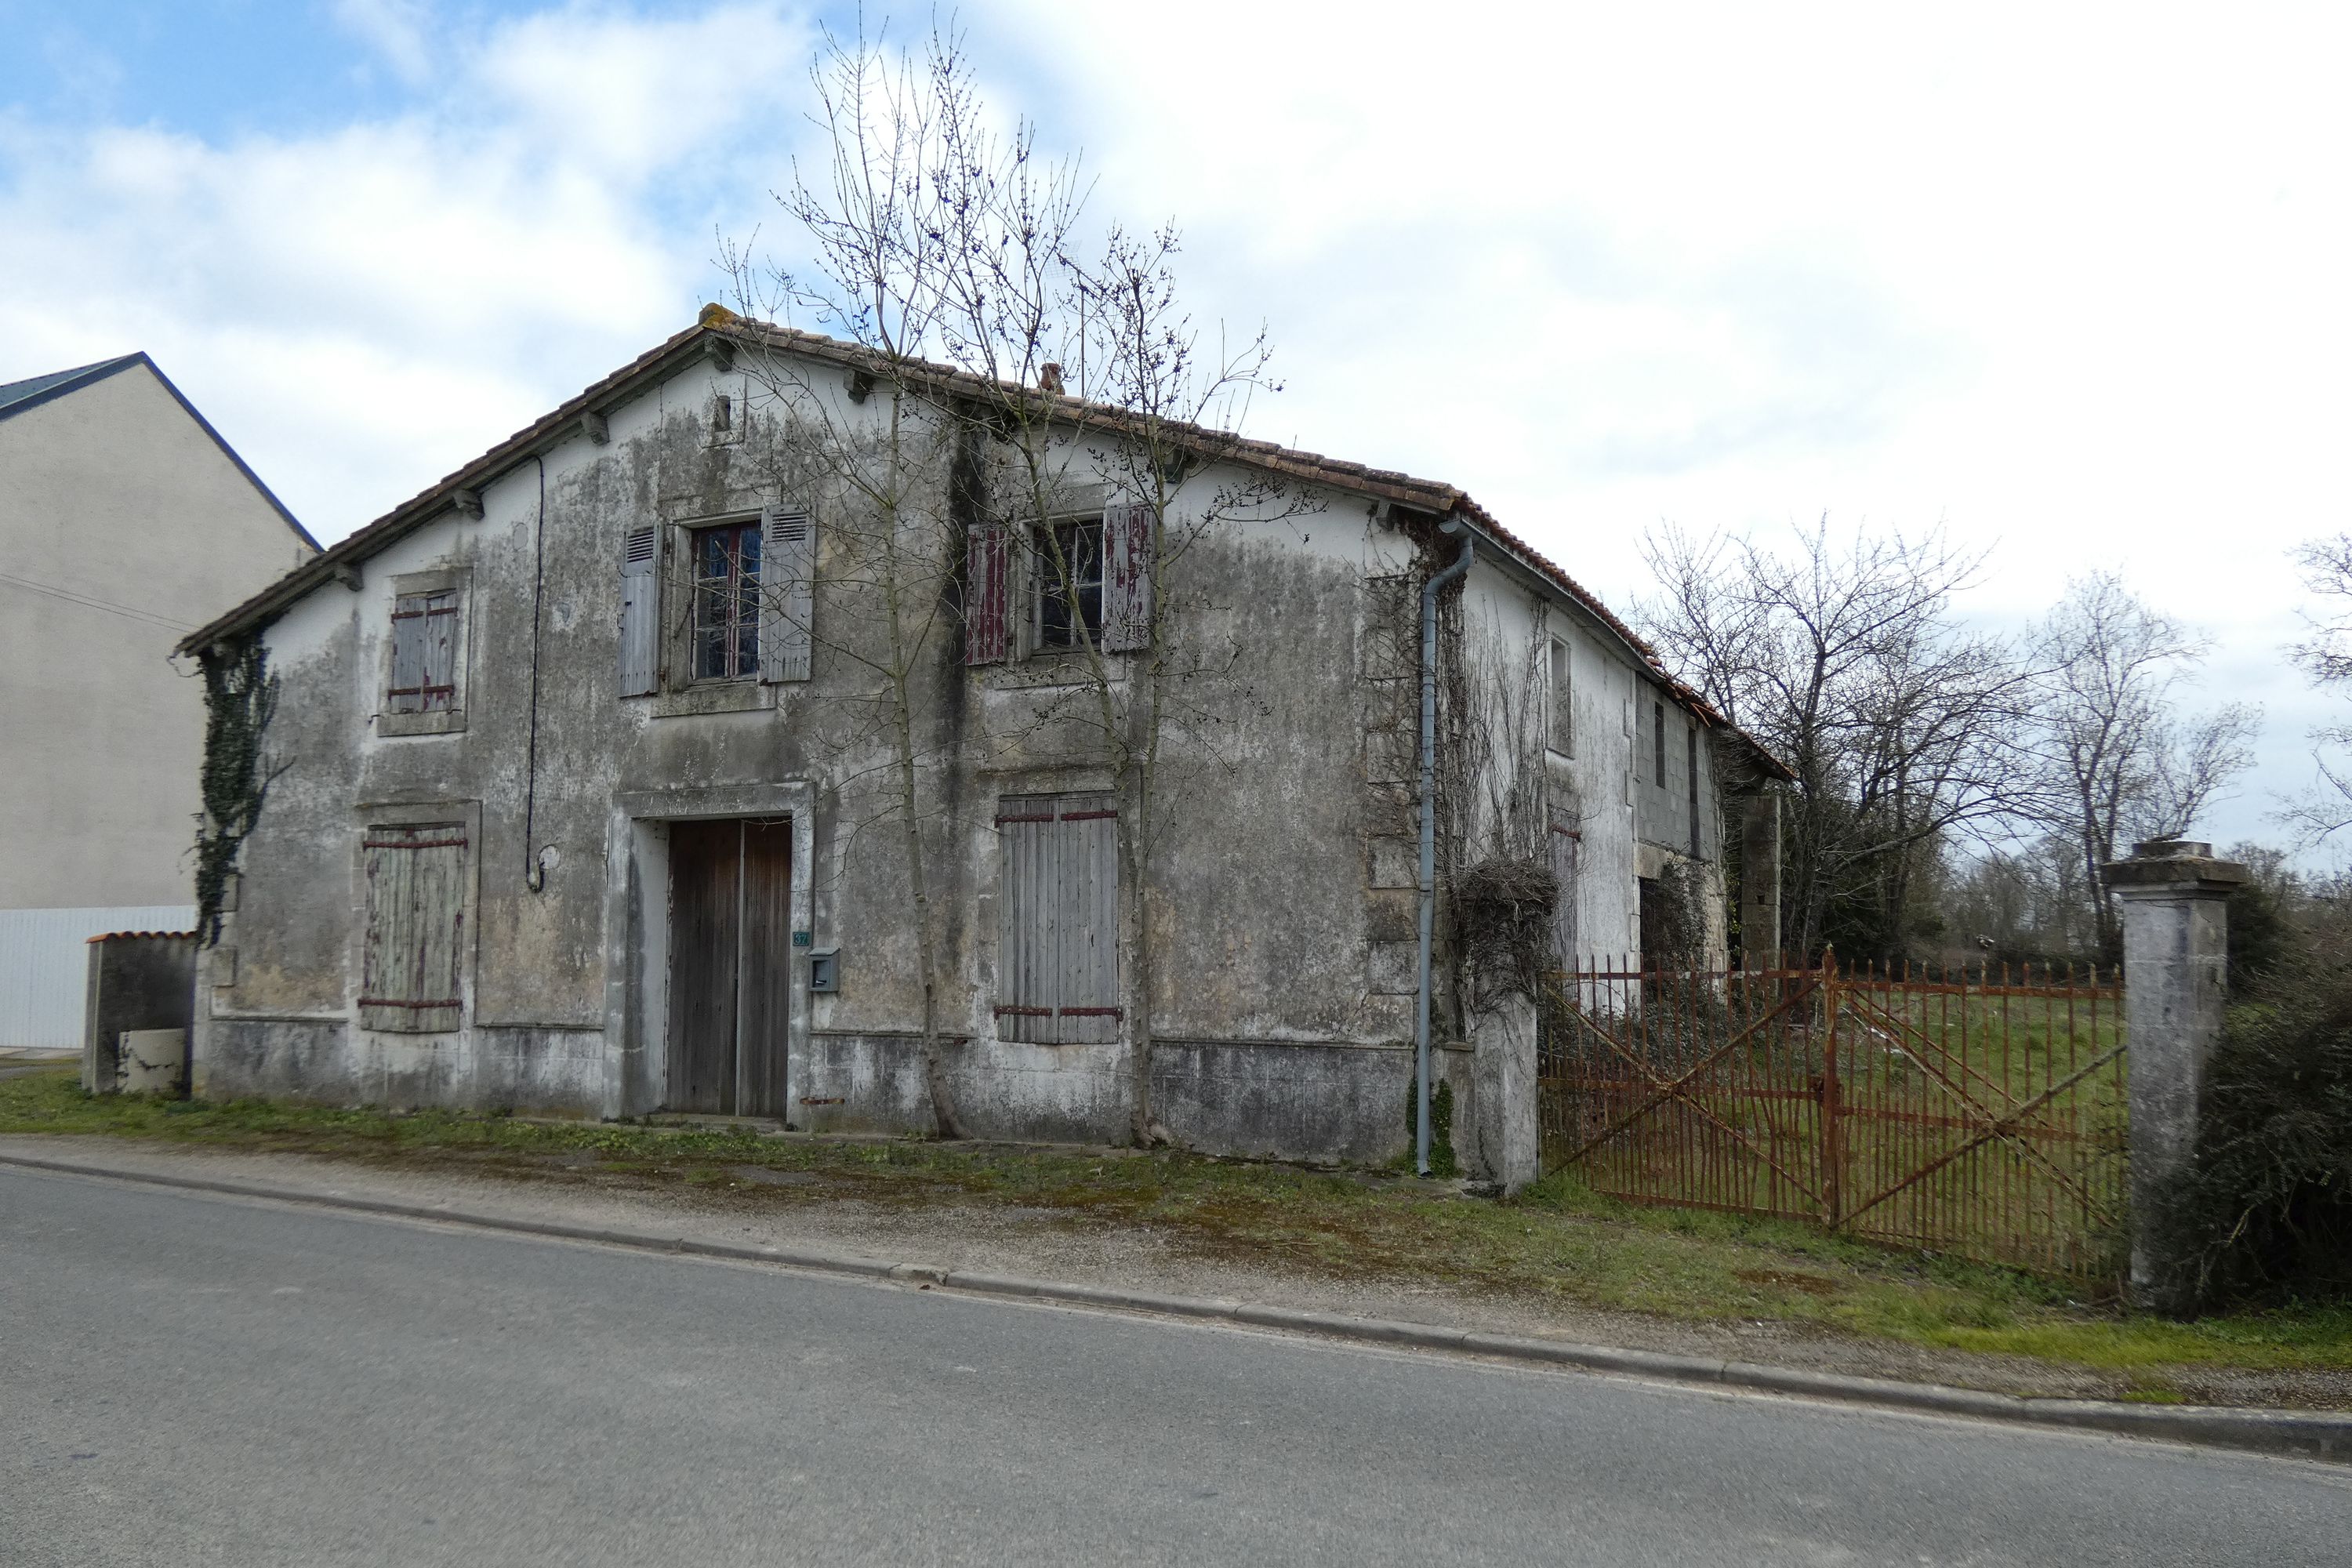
726,631
1041,587
1562,738
423,653
1068,608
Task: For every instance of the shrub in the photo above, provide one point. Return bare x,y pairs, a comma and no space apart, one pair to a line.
2268,1210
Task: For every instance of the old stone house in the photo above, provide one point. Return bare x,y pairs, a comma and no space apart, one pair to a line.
125,521
582,794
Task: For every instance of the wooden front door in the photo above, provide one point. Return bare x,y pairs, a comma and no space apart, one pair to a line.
729,966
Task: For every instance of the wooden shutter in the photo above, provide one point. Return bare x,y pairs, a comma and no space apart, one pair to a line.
1567,845
440,652
410,972
407,692
1057,980
1088,897
987,624
641,613
1028,980
1127,579
787,594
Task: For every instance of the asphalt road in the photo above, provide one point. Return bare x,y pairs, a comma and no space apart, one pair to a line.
198,1380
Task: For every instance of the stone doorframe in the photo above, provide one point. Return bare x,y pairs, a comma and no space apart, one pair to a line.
636,929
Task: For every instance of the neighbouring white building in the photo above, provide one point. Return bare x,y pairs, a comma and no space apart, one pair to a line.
125,521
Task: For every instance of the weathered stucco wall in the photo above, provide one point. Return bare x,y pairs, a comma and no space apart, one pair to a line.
1281,902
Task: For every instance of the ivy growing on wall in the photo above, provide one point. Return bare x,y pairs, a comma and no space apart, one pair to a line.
240,695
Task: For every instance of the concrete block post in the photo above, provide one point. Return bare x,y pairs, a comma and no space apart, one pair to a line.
1503,1067
1759,879
2173,896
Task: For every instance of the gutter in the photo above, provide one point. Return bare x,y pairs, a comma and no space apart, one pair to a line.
1429,592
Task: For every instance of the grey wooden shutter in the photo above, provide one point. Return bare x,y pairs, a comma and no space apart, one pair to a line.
1057,979
441,651
1127,579
641,613
1028,979
405,694
1087,928
987,622
1566,844
410,970
787,594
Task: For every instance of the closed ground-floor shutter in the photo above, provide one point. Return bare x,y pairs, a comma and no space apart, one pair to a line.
1566,842
1057,969
411,968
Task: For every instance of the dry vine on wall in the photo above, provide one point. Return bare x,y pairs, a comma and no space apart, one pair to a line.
1490,791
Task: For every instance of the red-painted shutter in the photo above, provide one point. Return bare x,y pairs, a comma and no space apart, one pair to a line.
987,621
1127,579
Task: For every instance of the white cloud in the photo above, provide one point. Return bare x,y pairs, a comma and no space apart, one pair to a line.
397,31
2069,277
361,311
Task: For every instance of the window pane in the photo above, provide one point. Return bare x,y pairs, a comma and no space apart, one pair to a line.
727,602
1077,548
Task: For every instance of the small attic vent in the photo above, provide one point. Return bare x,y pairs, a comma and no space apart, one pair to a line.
722,414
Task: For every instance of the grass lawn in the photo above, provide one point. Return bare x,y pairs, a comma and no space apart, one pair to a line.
1557,1241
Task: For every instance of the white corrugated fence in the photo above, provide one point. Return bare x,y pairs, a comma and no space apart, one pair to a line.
45,967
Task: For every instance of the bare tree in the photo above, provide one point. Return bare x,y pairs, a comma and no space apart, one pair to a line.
2325,656
1846,659
1138,408
879,447
1016,376
2019,904
2117,760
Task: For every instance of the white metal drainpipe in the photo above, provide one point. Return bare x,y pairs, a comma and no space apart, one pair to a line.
1429,592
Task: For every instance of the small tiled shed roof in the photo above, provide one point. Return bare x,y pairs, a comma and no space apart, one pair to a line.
720,324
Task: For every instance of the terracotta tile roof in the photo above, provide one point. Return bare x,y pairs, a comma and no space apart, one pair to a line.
1431,496
119,935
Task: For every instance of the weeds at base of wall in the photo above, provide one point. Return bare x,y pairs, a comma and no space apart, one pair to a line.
1441,1127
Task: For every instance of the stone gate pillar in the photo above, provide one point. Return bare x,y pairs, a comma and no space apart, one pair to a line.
2173,896
1503,1125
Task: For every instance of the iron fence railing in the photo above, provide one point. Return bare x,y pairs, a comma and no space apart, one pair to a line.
1978,1112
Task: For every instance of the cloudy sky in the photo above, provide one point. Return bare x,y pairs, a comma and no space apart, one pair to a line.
2074,283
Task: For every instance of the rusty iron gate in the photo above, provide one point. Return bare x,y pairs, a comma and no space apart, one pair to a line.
1978,1113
